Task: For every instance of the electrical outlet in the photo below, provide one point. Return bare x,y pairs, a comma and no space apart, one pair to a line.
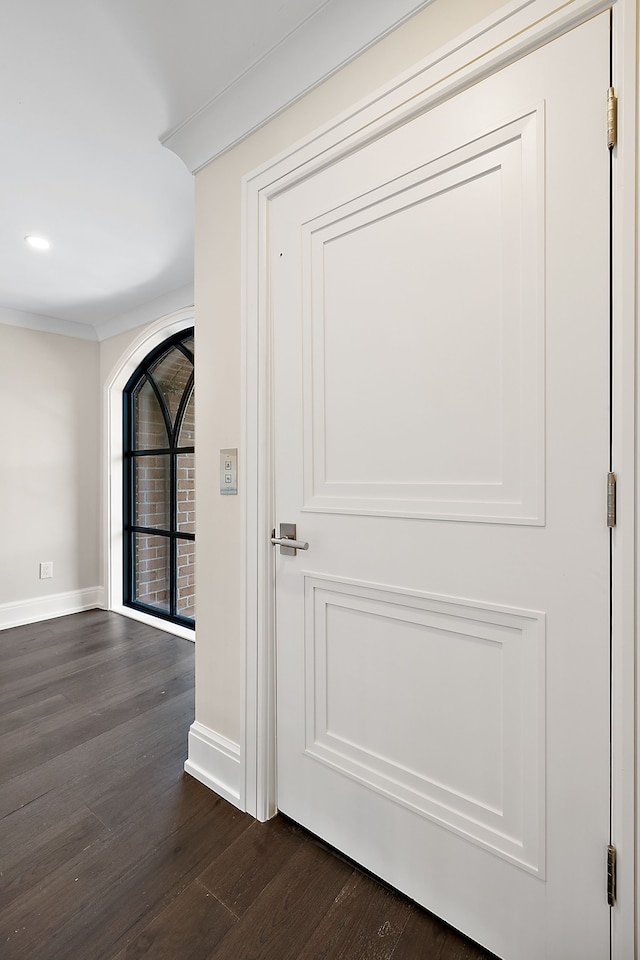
46,570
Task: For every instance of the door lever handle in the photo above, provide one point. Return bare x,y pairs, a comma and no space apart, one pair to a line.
290,542
287,540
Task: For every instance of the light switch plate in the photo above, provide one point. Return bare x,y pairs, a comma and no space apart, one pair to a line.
229,471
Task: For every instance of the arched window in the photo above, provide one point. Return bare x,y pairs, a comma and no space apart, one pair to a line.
159,483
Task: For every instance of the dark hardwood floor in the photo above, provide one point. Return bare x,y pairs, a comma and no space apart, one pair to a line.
108,851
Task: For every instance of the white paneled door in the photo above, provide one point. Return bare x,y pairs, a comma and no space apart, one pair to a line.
440,312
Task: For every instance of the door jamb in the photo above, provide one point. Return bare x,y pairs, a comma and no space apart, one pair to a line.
509,34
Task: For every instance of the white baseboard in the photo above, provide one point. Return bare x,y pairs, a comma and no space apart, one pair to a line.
45,608
214,761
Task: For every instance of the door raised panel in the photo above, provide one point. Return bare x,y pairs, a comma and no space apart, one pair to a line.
463,362
435,702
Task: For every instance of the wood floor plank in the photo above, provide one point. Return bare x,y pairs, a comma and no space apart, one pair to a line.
120,672
81,671
49,737
110,908
187,929
55,660
31,709
426,936
241,873
280,921
138,735
119,881
21,875
119,793
364,922
129,795
16,640
67,642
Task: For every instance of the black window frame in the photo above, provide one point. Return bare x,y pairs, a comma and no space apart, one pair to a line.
131,454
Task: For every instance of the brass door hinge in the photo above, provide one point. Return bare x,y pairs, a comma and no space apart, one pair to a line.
612,118
612,871
611,499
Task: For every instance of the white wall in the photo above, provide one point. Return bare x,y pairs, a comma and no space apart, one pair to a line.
49,481
218,361
112,351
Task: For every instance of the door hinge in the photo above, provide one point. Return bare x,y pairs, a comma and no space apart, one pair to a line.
611,499
612,118
612,875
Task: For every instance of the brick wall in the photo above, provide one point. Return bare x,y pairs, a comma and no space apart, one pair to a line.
152,567
186,585
152,491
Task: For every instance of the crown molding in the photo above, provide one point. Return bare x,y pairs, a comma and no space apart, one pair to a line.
46,324
147,312
325,42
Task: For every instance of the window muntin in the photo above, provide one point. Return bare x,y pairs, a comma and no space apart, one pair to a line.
159,483
188,428
171,374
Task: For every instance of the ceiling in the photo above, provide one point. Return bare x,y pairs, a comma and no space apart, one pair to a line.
89,89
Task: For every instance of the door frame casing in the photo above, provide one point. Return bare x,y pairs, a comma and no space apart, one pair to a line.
512,32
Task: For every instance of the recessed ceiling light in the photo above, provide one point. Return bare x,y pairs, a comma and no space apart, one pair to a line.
37,243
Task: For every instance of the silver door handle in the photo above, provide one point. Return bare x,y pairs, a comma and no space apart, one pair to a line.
287,540
290,542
